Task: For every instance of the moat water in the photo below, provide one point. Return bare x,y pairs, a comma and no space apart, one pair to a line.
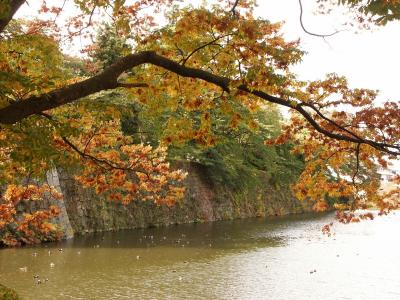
279,258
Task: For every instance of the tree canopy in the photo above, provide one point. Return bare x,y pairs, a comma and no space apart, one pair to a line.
198,76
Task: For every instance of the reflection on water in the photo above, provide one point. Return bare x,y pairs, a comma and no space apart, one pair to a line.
243,259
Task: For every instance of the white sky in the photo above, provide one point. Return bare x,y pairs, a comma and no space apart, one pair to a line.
369,59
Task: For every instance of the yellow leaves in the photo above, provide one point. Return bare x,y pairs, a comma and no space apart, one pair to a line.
30,64
336,171
235,120
253,125
171,90
177,175
250,52
178,131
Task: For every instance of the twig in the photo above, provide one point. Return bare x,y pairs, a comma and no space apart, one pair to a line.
202,47
234,7
100,162
312,33
357,163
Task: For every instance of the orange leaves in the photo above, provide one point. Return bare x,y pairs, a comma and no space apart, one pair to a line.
390,196
121,170
366,216
27,228
338,173
179,131
320,206
36,224
16,193
235,120
7,212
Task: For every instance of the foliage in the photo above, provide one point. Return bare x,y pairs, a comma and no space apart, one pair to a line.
379,12
236,157
18,227
108,47
7,293
208,92
239,159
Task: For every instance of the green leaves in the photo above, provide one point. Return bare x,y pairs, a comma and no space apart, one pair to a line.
379,12
4,8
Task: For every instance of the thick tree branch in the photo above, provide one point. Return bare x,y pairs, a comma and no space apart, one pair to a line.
108,80
319,113
14,5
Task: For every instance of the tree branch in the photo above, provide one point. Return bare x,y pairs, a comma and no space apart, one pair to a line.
108,80
103,163
357,153
132,85
233,9
308,32
14,5
202,47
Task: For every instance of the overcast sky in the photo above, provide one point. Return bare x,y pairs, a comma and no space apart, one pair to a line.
369,59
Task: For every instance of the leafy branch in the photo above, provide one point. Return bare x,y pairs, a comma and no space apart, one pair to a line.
108,79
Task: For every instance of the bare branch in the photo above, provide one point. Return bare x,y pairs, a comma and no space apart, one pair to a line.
233,9
312,33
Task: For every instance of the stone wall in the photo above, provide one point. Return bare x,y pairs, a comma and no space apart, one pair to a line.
204,202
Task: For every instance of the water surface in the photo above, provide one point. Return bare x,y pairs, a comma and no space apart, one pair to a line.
280,258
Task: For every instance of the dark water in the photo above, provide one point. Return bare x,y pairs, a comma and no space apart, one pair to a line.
245,259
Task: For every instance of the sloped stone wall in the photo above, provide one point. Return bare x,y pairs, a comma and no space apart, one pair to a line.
204,202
